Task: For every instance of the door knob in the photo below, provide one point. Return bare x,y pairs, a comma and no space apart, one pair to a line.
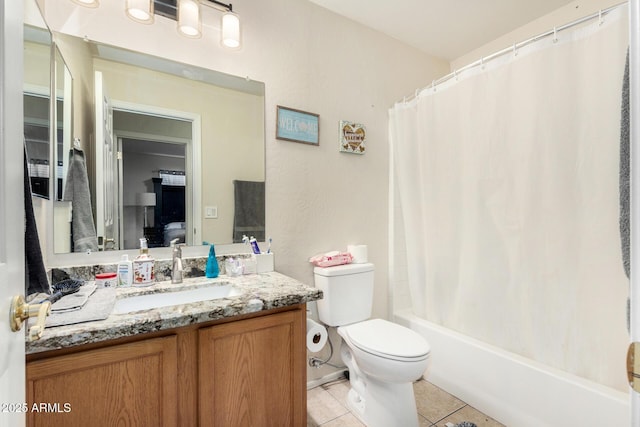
21,311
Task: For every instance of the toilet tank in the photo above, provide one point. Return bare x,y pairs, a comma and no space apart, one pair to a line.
348,293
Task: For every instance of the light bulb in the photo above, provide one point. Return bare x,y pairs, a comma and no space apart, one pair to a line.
231,30
140,10
189,24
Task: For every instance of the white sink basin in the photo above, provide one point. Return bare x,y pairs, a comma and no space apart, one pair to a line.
167,299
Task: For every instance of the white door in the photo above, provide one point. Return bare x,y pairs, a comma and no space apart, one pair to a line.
12,384
634,122
107,211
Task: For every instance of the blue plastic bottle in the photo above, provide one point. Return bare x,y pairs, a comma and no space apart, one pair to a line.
212,270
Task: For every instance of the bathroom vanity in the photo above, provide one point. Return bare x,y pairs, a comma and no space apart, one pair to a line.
237,360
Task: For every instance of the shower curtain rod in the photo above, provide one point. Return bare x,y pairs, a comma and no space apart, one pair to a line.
600,14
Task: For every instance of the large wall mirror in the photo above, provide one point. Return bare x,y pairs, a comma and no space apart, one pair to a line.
172,151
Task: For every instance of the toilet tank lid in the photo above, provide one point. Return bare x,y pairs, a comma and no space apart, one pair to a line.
343,270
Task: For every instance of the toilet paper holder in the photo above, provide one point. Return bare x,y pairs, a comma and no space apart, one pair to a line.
316,336
316,362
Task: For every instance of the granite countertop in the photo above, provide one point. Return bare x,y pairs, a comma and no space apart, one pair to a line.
259,292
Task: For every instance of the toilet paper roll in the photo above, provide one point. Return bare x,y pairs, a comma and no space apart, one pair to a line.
359,253
316,336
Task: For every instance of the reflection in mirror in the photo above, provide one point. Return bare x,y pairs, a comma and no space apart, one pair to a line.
37,92
170,140
154,168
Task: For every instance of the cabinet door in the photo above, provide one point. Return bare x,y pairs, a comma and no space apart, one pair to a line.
252,372
128,384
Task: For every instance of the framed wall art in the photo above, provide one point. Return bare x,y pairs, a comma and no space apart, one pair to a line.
352,137
297,126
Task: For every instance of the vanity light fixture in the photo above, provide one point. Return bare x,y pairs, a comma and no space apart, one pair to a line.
188,15
140,10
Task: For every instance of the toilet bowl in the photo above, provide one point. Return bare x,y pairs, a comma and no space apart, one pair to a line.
387,351
383,358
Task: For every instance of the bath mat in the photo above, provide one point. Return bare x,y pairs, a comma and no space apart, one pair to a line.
462,424
98,307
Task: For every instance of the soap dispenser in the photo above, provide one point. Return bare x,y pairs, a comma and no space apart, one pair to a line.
143,266
212,270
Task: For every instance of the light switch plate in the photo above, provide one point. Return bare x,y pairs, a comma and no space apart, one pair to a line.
211,212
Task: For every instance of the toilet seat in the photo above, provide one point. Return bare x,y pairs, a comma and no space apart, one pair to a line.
387,340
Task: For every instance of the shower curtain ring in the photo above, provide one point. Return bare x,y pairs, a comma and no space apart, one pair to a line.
600,20
515,51
433,85
555,35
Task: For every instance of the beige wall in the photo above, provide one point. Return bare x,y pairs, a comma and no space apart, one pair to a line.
36,65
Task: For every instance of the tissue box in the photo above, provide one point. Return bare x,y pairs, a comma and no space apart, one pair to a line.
264,263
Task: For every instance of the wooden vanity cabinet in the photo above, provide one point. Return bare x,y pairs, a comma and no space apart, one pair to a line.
254,372
248,372
127,384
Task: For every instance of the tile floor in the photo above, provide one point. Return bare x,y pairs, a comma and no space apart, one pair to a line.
326,407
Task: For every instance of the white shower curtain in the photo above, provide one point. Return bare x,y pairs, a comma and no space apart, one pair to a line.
508,184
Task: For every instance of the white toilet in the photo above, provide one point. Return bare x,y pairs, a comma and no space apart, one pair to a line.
383,358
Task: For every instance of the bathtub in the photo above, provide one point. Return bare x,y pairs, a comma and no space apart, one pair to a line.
514,390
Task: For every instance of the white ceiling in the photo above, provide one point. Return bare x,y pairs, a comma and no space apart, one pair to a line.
446,29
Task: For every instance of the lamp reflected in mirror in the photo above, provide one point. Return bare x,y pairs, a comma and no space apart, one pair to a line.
146,200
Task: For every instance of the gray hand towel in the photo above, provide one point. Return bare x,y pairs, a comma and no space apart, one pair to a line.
76,191
98,307
75,301
248,217
35,273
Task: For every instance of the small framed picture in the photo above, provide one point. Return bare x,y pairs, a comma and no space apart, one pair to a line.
352,137
297,126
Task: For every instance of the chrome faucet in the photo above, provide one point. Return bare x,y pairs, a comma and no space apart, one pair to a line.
176,264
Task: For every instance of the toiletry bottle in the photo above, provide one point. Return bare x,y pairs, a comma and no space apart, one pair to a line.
254,245
143,266
125,271
212,270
